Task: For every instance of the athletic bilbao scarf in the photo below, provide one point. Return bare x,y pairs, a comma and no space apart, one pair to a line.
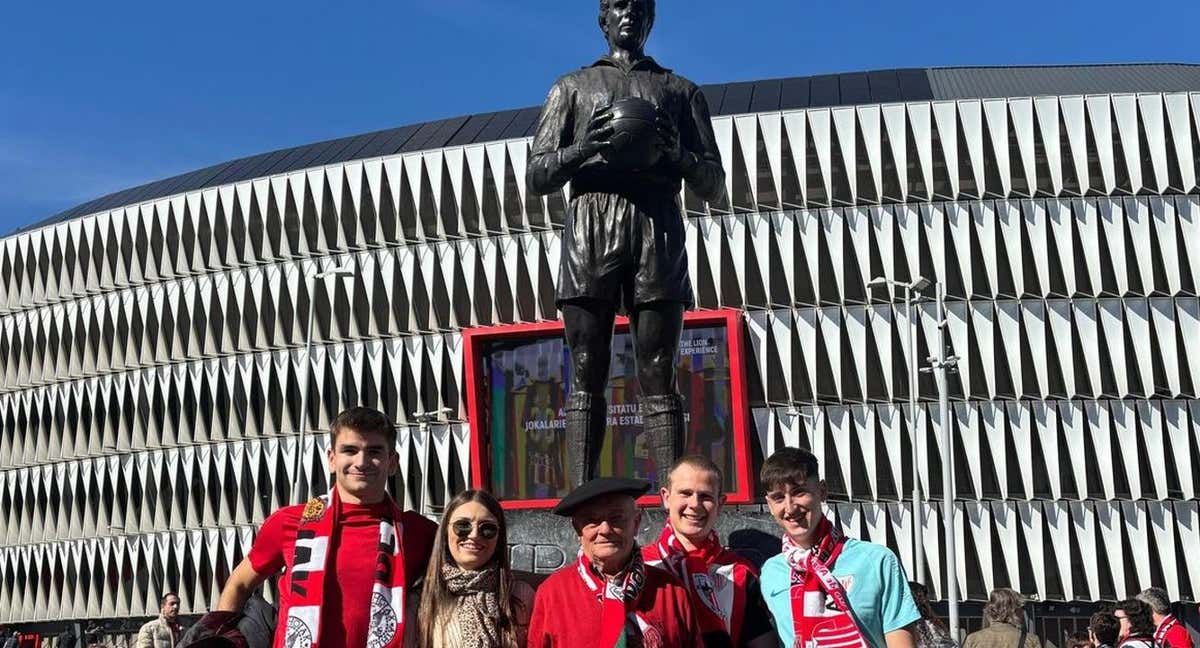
1160,635
307,575
618,598
693,569
811,583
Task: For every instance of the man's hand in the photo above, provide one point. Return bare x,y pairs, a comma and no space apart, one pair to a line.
668,139
599,131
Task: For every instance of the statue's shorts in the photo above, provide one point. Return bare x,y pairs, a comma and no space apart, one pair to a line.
624,251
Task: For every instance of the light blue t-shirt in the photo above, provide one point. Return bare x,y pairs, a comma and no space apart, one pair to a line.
874,582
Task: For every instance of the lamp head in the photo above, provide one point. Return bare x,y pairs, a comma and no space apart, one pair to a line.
340,272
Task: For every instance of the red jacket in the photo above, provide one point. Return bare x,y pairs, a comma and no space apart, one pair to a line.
567,615
730,584
1176,635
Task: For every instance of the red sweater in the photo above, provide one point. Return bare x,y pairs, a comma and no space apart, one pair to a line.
567,615
346,610
1177,636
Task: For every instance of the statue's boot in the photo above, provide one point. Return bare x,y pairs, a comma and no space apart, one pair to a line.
586,417
662,420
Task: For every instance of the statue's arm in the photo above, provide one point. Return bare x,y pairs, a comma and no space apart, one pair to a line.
554,158
701,164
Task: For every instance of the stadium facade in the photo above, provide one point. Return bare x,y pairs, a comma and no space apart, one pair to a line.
152,341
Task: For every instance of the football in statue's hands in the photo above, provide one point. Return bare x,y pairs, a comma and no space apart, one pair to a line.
634,134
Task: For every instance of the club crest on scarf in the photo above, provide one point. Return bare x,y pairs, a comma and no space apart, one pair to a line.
706,591
652,637
298,634
383,621
313,510
798,576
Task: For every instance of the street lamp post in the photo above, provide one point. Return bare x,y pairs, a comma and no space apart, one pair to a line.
310,283
912,294
942,365
423,420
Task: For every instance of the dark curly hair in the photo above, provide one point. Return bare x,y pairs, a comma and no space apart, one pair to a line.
920,595
1141,622
1105,627
1078,639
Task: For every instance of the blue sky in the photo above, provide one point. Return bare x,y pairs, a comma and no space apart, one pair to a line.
100,96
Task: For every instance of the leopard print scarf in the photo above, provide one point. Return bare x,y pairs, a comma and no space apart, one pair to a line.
473,622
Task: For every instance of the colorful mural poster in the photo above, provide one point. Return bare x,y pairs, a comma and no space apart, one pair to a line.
525,387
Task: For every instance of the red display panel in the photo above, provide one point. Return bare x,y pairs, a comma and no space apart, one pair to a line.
517,381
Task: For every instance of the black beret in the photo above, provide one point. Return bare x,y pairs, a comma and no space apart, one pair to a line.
600,486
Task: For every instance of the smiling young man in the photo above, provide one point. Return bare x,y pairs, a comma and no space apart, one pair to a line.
350,557
724,587
609,597
826,589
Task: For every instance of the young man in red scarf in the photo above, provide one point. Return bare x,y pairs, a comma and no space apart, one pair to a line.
826,589
1169,632
351,556
724,587
609,597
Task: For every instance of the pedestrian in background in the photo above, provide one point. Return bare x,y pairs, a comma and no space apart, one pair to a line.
1169,632
929,632
163,632
1005,614
1104,629
1078,639
1137,624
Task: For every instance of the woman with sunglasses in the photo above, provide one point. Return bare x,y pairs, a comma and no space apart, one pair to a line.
470,598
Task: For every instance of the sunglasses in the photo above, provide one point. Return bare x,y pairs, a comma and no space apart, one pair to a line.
462,529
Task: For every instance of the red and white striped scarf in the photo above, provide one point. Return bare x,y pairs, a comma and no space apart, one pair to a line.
1160,635
306,571
618,598
716,579
812,622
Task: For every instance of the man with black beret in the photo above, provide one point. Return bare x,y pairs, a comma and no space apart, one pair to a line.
609,597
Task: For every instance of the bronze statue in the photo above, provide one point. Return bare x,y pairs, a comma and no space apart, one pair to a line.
623,244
